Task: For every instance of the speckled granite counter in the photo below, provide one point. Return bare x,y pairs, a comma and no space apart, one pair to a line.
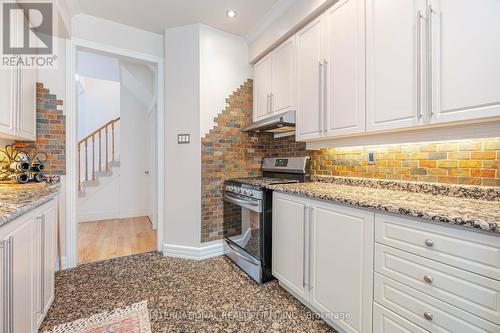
458,205
15,199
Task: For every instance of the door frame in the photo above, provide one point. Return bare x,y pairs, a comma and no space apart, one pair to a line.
71,193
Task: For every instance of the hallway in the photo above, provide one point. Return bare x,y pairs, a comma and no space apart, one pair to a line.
100,240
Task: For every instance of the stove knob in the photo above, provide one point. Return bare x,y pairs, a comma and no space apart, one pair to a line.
250,193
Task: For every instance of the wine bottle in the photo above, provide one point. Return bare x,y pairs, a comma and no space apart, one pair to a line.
38,177
22,166
21,178
37,167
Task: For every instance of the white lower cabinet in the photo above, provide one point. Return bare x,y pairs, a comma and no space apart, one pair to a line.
27,247
323,254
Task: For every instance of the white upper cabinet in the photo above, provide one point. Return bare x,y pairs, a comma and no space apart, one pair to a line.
18,98
310,81
344,68
394,63
465,52
262,88
282,78
8,79
26,128
274,83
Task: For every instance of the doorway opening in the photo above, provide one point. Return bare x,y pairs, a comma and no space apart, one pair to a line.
116,111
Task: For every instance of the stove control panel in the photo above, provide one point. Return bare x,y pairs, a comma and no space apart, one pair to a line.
244,191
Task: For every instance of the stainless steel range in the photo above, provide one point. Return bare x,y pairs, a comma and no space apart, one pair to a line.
248,214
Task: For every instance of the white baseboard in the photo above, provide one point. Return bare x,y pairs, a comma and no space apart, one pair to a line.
213,249
110,215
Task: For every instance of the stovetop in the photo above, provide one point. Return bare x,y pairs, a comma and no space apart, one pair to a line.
261,182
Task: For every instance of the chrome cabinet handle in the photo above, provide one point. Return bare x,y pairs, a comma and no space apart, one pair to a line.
428,315
429,13
428,279
429,243
42,265
419,64
271,103
320,97
325,96
305,275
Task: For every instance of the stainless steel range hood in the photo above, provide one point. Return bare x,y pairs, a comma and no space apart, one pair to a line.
281,123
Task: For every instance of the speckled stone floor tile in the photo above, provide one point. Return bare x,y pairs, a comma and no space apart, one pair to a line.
183,296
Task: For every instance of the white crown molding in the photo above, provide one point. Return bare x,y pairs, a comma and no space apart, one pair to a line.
213,249
277,10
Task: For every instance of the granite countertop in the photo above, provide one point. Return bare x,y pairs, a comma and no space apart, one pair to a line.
481,214
16,200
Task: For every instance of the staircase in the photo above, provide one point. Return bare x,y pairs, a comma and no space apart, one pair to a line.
97,155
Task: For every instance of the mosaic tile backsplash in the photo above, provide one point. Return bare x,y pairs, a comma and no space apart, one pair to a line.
227,152
471,162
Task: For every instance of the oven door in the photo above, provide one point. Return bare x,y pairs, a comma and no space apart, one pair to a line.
242,225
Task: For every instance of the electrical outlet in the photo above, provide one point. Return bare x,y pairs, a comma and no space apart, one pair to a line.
372,158
183,138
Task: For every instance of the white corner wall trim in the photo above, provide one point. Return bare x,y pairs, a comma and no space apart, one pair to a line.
214,249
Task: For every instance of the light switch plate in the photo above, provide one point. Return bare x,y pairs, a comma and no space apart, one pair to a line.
372,158
183,138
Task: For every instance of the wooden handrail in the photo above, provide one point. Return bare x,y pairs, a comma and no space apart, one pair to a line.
99,129
92,136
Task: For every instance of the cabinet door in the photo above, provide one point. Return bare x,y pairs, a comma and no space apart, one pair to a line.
282,78
8,103
290,244
394,67
3,283
344,68
465,52
342,266
27,104
20,274
262,88
310,81
48,250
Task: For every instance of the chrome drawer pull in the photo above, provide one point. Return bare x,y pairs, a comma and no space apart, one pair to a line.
429,243
428,279
428,316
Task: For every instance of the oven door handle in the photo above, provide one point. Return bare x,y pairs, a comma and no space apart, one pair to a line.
254,205
236,251
240,201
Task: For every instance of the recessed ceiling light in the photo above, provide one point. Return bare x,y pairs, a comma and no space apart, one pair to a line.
231,13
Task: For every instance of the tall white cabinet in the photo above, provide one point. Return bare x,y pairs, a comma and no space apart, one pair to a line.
27,269
323,254
330,73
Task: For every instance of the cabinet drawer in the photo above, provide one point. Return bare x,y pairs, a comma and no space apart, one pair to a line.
468,291
472,251
385,321
426,311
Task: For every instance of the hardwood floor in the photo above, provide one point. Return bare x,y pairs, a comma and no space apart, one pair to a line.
107,239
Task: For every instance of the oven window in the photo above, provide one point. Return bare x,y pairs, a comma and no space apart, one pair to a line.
242,227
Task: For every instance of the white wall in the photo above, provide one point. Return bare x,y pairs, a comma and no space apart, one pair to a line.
279,21
182,115
55,78
107,32
97,103
223,68
98,66
203,67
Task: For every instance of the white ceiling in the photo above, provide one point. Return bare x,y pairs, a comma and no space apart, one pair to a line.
156,15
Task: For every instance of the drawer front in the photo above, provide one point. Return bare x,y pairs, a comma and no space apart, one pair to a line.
471,292
427,312
385,321
472,251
